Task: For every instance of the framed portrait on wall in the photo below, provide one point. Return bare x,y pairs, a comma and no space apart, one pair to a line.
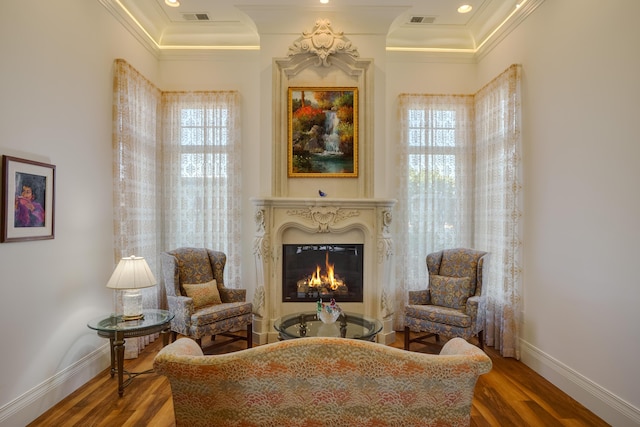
322,132
28,199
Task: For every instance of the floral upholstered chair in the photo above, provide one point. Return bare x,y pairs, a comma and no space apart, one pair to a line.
197,297
453,304
322,381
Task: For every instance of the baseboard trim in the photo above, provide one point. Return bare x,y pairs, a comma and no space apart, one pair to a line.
597,399
33,403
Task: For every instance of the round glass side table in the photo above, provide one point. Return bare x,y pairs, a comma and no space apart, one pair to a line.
117,330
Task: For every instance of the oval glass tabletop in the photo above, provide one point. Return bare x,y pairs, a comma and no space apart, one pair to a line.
348,325
151,317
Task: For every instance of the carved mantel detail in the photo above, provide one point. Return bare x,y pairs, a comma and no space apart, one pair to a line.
323,42
324,217
387,217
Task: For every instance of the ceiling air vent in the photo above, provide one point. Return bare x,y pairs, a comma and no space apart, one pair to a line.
422,19
195,17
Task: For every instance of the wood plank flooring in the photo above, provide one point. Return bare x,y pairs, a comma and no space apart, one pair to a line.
510,395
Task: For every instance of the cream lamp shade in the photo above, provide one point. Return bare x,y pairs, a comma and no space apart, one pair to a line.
131,274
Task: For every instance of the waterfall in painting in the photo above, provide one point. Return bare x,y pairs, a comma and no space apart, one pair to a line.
331,137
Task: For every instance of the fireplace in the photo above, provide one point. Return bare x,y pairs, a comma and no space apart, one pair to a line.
322,271
294,237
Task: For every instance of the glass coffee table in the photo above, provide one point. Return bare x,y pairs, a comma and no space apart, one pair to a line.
307,324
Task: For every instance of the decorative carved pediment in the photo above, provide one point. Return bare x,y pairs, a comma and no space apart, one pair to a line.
323,42
324,217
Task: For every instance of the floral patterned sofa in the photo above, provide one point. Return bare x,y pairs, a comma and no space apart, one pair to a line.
320,381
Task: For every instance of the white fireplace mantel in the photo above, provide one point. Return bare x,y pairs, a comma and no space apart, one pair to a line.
285,220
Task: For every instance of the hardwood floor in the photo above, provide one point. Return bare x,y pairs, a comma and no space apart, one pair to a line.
510,395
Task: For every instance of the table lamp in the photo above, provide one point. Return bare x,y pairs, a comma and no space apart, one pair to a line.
131,274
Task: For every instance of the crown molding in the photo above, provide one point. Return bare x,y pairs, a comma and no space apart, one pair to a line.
476,54
130,24
510,24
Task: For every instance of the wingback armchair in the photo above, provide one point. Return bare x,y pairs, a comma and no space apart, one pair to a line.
198,298
453,305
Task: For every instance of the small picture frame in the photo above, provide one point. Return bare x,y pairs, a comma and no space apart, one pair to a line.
322,132
28,200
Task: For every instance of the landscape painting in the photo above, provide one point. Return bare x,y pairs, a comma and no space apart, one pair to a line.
323,132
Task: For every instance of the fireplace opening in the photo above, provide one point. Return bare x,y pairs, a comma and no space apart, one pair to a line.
311,272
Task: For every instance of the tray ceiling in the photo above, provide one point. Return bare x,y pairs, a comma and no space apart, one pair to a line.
422,25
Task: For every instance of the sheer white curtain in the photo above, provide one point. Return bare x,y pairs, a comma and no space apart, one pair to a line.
462,187
201,195
435,201
135,176
498,205
175,176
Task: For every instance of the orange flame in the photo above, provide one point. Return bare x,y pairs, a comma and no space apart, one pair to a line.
330,276
317,279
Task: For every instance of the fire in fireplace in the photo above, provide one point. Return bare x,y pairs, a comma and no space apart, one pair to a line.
311,272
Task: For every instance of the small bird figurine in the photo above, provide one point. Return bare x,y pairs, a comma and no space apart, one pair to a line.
322,193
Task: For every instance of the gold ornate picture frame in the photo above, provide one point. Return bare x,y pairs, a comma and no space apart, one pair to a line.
322,132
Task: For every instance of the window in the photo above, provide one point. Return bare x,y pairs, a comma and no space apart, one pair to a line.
200,127
201,173
434,174
436,186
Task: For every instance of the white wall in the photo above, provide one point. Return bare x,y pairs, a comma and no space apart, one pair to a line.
55,107
581,64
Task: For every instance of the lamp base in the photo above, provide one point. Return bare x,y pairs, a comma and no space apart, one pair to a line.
133,317
132,304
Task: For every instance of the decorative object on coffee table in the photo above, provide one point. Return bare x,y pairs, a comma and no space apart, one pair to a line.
328,313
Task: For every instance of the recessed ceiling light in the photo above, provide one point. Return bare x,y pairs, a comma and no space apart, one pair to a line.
324,1
465,8
172,3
